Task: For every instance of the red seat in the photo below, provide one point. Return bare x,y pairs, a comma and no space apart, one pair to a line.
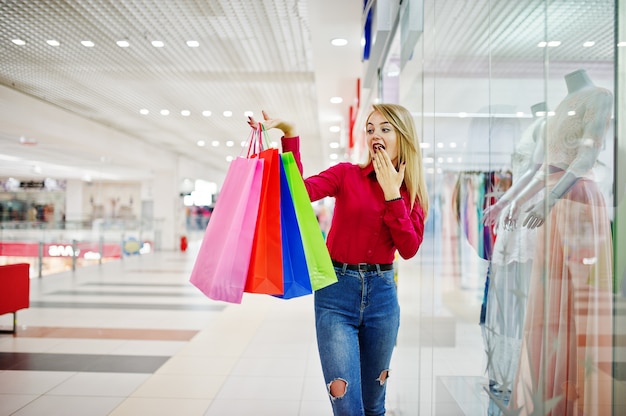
14,290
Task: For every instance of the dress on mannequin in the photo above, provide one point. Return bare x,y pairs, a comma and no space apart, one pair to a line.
509,272
565,361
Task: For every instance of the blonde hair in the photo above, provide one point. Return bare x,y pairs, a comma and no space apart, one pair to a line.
409,151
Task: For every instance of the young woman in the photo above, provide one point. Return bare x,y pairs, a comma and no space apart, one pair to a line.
380,208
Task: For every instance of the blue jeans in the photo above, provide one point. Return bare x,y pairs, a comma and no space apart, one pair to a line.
357,322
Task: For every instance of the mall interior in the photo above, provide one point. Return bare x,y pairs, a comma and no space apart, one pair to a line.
119,121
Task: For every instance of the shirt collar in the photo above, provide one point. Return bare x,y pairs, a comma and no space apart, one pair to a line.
367,170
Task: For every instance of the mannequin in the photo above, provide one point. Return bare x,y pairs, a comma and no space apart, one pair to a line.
510,268
568,325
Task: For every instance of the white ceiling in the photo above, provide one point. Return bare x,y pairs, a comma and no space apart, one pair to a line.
81,105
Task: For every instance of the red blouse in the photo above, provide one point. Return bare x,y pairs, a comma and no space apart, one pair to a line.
365,228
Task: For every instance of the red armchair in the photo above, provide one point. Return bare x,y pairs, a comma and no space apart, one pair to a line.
14,290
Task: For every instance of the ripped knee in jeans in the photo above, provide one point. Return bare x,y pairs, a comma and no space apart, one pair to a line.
384,375
337,388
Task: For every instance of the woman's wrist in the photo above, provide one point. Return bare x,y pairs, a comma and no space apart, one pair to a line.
289,130
392,197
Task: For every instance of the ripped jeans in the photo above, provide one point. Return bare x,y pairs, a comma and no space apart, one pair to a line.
357,322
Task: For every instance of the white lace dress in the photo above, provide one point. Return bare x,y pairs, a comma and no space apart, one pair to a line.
509,276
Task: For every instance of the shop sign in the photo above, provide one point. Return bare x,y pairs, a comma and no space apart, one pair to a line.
62,251
83,250
32,184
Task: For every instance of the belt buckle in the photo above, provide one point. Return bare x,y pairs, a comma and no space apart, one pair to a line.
362,267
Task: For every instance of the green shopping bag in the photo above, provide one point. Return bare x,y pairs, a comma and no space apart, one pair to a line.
321,270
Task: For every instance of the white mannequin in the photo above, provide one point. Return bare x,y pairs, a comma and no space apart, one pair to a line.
491,213
587,149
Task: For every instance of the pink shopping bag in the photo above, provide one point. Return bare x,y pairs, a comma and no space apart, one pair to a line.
222,263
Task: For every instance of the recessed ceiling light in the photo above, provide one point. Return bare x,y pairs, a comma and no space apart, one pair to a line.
621,44
333,156
123,43
339,42
158,43
542,44
393,70
554,43
53,42
336,100
230,143
165,112
215,143
185,113
193,43
335,129
334,145
248,114
144,111
87,43
588,44
200,143
424,145
206,113
227,113
19,42
229,158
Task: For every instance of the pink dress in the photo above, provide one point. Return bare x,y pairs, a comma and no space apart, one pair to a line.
566,356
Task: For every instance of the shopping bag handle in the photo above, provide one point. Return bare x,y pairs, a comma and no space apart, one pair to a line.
258,140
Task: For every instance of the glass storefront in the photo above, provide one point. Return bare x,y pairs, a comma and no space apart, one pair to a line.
516,105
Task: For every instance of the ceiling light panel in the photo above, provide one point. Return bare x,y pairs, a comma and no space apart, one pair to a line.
231,68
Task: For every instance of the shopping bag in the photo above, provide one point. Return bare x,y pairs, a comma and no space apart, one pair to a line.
319,264
296,280
265,274
221,266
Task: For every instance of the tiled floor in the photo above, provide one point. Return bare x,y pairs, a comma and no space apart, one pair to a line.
133,337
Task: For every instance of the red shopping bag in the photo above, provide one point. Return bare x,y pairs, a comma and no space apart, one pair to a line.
265,274
221,266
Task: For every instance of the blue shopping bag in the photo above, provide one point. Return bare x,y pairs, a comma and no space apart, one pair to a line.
296,279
